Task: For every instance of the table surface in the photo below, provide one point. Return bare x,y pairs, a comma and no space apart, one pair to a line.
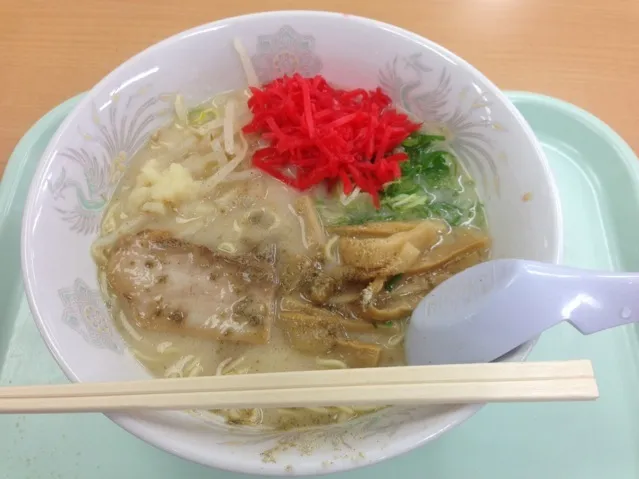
585,52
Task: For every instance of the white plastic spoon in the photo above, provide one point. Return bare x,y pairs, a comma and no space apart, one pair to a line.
488,310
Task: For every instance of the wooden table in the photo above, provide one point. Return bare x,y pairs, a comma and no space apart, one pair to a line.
584,51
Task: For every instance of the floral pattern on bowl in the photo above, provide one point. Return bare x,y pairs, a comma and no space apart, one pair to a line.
80,168
284,53
85,312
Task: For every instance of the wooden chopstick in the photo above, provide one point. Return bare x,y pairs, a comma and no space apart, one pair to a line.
502,382
302,379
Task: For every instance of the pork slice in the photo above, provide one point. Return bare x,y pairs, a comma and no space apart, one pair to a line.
173,285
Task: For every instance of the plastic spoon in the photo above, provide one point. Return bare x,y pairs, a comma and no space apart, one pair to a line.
488,310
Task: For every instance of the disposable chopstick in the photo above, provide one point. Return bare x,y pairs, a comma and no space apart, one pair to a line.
303,379
563,381
406,394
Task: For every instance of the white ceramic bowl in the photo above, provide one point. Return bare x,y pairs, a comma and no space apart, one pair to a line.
71,187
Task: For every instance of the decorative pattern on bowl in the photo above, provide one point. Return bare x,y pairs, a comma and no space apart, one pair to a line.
465,125
81,166
85,312
119,128
284,53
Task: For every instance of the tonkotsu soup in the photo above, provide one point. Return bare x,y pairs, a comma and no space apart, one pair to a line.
230,248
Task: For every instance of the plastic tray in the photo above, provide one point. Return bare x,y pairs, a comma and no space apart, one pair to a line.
598,179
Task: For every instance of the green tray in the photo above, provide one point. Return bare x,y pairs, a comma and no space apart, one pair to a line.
598,180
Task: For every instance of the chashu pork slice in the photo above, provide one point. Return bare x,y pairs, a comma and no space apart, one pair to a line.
173,285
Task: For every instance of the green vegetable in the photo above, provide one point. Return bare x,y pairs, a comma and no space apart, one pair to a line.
432,185
392,282
201,114
448,212
426,169
421,140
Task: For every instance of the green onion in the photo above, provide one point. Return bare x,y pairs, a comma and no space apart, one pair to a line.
420,140
429,187
392,282
200,115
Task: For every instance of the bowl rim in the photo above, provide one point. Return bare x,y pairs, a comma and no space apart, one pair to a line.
148,434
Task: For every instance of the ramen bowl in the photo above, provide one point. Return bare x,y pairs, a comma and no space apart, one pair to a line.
72,186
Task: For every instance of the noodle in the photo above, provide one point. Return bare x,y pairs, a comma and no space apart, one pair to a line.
195,225
143,357
177,368
345,298
396,340
195,369
227,248
230,367
328,248
255,415
129,328
166,347
220,368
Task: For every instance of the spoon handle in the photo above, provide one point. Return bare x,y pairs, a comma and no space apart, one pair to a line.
595,301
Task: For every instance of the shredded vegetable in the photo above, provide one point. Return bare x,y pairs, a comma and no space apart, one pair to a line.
432,185
316,133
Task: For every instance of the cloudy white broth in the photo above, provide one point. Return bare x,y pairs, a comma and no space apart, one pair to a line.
291,226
